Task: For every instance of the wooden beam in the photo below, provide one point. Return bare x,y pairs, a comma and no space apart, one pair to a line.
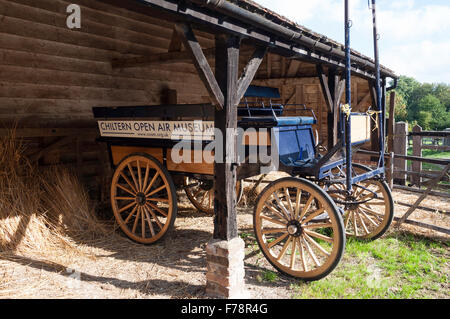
201,63
292,70
175,44
361,103
325,88
160,58
249,72
49,132
227,67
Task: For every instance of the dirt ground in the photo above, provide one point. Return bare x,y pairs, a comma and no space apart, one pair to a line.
115,267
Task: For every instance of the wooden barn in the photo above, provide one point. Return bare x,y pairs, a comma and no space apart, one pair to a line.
157,52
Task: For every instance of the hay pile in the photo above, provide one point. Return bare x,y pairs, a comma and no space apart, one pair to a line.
41,211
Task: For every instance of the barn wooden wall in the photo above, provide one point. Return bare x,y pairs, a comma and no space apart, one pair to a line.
51,76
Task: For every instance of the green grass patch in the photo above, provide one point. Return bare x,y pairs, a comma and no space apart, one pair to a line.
269,276
398,266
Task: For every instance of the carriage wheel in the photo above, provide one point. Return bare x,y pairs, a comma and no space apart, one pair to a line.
201,193
299,229
368,220
143,198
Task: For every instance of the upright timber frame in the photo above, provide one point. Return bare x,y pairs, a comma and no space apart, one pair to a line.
226,90
333,88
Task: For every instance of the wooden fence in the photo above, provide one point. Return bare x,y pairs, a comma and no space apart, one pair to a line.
413,177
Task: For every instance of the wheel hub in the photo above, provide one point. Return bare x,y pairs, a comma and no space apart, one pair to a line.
294,228
141,199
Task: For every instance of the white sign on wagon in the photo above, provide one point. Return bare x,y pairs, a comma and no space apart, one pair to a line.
195,130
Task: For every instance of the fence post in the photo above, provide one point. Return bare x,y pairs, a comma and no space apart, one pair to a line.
400,148
416,166
390,141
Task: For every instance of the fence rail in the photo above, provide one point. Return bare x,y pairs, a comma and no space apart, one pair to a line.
415,178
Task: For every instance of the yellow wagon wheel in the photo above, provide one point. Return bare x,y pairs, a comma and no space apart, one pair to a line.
299,229
369,211
201,193
143,198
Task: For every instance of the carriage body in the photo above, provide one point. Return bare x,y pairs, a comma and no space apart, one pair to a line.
314,206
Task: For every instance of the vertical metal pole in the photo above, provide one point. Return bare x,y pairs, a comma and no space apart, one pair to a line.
348,94
378,83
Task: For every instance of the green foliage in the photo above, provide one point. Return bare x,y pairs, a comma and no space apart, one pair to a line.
425,104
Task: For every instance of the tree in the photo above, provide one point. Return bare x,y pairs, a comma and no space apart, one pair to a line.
437,112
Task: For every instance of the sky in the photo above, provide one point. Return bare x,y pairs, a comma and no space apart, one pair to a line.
414,34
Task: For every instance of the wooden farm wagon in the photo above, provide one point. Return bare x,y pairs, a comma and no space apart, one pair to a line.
151,62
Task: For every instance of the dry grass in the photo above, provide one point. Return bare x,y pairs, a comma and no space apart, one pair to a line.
41,211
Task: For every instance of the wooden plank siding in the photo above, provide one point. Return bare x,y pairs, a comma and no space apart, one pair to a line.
52,76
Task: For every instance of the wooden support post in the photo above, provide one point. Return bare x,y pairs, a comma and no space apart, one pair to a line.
417,151
374,138
332,87
227,63
225,252
391,123
400,148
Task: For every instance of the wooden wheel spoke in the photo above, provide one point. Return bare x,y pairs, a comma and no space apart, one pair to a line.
162,200
302,254
126,207
158,222
124,198
133,230
277,241
365,197
281,205
294,249
159,210
310,251
306,208
319,236
313,215
355,226
157,190
211,196
318,225
366,230
283,250
151,183
288,199
371,211
274,221
133,177
347,219
130,215
143,223
126,190
204,197
274,231
298,200
139,175
276,211
144,183
128,182
317,245
149,222
368,218
376,203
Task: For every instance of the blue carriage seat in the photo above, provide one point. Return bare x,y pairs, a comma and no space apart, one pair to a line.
270,116
275,121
